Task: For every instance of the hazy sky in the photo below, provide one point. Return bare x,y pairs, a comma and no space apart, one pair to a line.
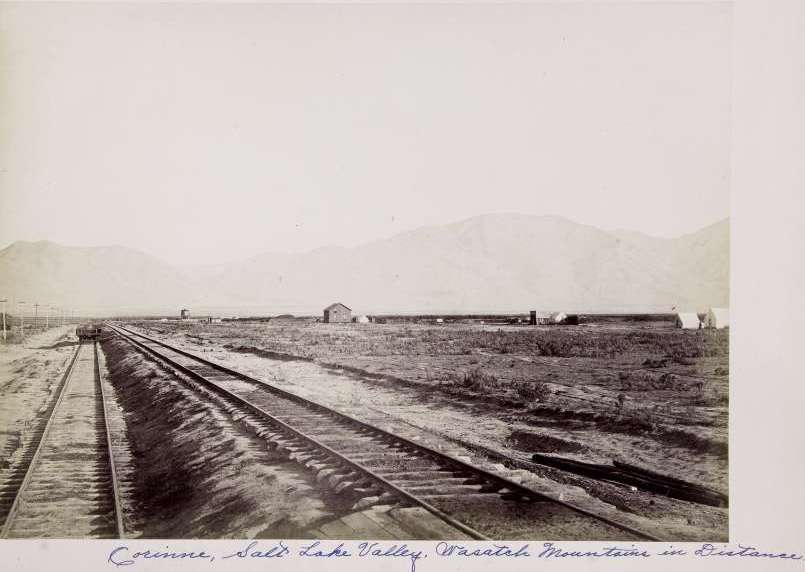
204,133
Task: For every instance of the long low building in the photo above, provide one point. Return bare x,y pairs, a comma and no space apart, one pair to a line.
544,318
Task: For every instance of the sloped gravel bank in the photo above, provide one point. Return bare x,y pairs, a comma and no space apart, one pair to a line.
196,472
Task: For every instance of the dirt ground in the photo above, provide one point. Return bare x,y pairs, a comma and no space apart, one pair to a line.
30,373
186,468
649,395
232,488
227,485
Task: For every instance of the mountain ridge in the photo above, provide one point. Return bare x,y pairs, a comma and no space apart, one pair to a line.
488,263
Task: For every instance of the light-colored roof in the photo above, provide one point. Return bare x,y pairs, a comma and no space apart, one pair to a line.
688,319
336,305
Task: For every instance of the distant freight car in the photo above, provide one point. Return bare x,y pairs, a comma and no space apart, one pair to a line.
89,332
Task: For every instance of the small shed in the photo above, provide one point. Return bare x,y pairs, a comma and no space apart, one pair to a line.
337,313
184,314
717,318
688,321
361,319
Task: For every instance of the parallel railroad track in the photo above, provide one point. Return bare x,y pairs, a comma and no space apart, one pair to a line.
378,467
66,485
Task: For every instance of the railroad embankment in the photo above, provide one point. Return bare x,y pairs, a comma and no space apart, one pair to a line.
586,429
197,472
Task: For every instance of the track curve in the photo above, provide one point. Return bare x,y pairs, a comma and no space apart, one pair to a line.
378,467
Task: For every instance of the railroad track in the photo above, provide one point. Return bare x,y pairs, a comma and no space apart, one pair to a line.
355,458
65,485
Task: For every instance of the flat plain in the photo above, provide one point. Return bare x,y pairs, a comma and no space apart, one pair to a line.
645,394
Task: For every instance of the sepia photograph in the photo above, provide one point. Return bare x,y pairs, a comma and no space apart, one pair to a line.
394,272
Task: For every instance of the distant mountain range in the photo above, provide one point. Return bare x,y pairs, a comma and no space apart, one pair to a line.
489,263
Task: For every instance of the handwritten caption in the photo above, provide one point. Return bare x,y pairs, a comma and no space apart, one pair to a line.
412,555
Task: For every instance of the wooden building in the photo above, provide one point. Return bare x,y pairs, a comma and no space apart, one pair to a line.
337,313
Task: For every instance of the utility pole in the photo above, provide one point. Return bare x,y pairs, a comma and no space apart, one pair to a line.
4,319
22,319
36,315
47,316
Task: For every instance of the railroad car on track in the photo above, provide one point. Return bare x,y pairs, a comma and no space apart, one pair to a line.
89,331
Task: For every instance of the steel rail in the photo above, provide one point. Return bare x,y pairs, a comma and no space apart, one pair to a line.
442,457
112,468
29,471
338,457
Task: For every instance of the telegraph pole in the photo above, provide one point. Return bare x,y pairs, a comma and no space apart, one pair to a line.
4,319
47,316
36,315
22,319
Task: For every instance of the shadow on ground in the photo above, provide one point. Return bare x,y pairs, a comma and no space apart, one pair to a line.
62,344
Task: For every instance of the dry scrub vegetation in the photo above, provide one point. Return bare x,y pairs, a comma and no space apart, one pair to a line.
646,388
